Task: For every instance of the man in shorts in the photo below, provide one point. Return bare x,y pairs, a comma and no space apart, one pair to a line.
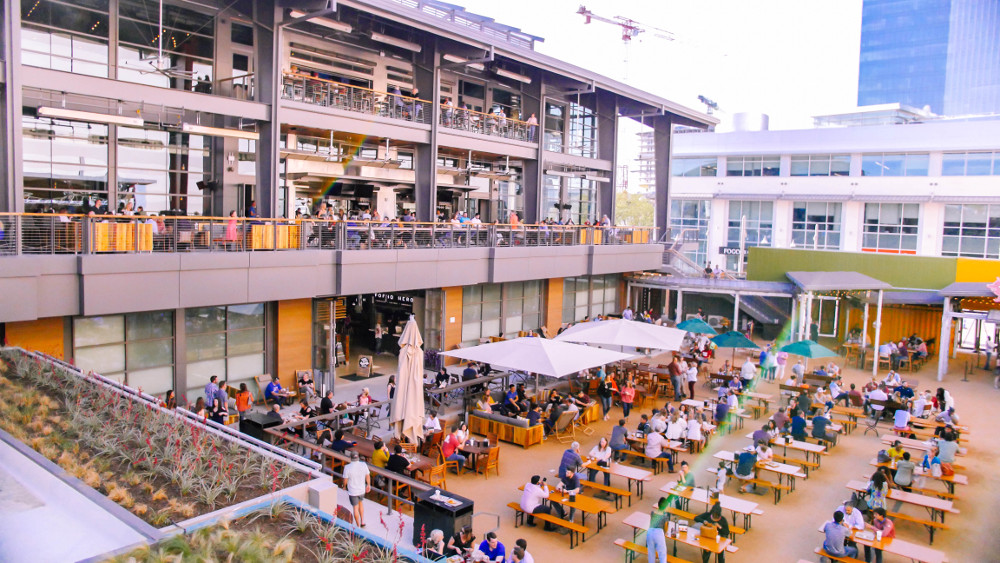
358,480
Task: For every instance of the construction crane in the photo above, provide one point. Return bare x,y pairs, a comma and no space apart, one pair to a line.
630,27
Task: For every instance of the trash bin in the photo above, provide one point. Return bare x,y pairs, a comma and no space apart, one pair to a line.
449,517
254,424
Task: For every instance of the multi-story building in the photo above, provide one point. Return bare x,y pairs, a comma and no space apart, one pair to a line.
923,187
407,108
936,53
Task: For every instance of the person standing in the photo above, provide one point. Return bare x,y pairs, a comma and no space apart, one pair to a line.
358,479
692,377
656,540
627,395
605,392
674,368
378,338
244,401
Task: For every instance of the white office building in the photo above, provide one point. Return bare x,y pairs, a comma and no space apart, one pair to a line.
910,184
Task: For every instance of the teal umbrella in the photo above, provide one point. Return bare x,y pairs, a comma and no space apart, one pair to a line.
734,340
808,349
697,326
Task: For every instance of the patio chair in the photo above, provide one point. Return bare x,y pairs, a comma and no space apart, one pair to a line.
437,477
489,461
564,430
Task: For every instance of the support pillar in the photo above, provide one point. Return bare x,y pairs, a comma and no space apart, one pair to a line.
878,333
736,311
680,306
945,339
807,325
864,328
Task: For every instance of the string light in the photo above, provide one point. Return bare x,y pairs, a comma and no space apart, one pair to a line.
32,10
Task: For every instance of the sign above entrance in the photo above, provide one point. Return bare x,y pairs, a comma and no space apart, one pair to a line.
393,298
730,251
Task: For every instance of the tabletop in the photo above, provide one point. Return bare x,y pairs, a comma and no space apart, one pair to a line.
956,478
584,503
915,444
620,470
737,505
783,468
902,548
934,503
760,396
693,403
640,521
366,447
795,445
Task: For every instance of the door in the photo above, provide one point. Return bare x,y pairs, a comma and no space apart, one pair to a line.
825,312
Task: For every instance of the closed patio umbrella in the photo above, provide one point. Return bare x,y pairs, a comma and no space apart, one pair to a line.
624,334
697,326
407,417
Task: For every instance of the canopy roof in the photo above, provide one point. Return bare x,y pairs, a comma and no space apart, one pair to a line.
835,281
966,289
539,355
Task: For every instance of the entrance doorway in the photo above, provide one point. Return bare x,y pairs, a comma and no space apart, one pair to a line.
824,313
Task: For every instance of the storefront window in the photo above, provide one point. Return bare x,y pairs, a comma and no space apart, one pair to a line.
522,307
551,203
136,349
582,196
585,297
71,36
161,169
65,164
891,227
433,313
223,341
816,225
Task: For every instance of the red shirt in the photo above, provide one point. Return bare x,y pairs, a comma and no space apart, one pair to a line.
449,445
887,527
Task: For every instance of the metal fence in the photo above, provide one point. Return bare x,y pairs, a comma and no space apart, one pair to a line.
48,233
491,124
328,93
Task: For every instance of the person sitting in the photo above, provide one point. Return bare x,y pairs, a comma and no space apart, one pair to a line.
746,469
685,477
880,523
571,459
837,392
644,426
820,424
837,533
892,379
780,418
895,452
761,434
397,461
275,392
798,429
570,406
434,548
569,484
721,412
533,501
486,403
442,379
307,385
901,422
492,548
920,403
904,472
549,424
617,442
676,428
764,452
601,454
878,394
715,518
948,445
582,400
450,446
853,517
855,397
748,371
534,414
462,543
432,425
655,443
339,443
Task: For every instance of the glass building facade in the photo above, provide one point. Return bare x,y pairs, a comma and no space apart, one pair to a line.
937,53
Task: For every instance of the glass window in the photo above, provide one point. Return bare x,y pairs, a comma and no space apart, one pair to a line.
891,227
753,166
582,199
65,164
971,230
71,36
161,169
585,297
689,220
582,131
821,165
136,349
816,225
555,126
186,40
755,219
224,341
433,313
551,200
894,164
481,312
694,166
970,164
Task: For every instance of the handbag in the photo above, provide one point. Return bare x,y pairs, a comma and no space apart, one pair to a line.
602,463
858,502
946,469
883,457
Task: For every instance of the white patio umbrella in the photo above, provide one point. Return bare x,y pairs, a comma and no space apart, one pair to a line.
624,334
407,418
540,356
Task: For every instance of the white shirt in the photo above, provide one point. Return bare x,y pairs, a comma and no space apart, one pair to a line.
901,418
764,453
675,430
533,496
878,395
692,374
600,455
854,520
919,405
432,424
749,370
528,558
654,444
355,474
694,429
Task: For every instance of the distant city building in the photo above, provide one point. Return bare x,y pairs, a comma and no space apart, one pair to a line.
936,53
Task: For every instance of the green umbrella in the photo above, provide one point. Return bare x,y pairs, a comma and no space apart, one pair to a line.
697,326
808,349
734,340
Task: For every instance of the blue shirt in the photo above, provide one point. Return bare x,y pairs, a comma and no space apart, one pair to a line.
493,553
798,426
570,460
721,410
211,392
272,388
836,535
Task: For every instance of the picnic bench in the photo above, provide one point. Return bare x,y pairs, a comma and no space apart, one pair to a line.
577,532
632,549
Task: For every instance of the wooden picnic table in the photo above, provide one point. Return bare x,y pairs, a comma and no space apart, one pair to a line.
744,508
902,548
694,404
640,521
930,423
935,506
949,480
809,449
631,474
783,470
911,444
585,504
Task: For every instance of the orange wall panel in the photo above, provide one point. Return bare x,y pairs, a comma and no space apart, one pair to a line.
898,322
44,335
452,331
294,339
976,270
553,305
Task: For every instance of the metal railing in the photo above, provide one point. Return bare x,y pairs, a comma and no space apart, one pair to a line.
239,87
48,233
327,93
491,124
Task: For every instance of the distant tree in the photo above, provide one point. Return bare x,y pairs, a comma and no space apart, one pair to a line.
632,209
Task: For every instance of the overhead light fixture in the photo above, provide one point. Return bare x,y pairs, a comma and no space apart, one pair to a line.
325,22
63,113
219,132
513,75
562,173
396,42
458,59
596,178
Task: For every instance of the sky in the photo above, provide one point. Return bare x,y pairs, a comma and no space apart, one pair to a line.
789,59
